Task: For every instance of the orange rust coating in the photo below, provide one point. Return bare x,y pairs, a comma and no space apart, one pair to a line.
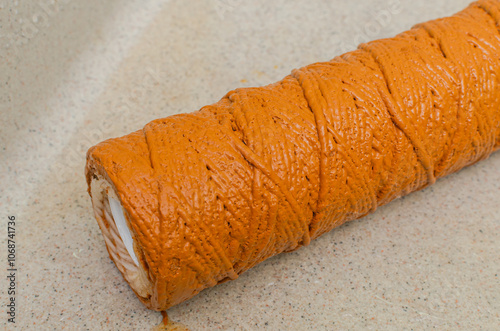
212,193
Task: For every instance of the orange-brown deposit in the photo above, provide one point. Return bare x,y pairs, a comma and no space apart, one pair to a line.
265,170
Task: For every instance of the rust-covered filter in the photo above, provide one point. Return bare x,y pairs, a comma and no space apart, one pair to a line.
194,200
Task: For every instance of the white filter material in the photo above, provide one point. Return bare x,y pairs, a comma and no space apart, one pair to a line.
123,230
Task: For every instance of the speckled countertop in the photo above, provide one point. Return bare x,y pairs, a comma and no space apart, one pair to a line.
76,72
